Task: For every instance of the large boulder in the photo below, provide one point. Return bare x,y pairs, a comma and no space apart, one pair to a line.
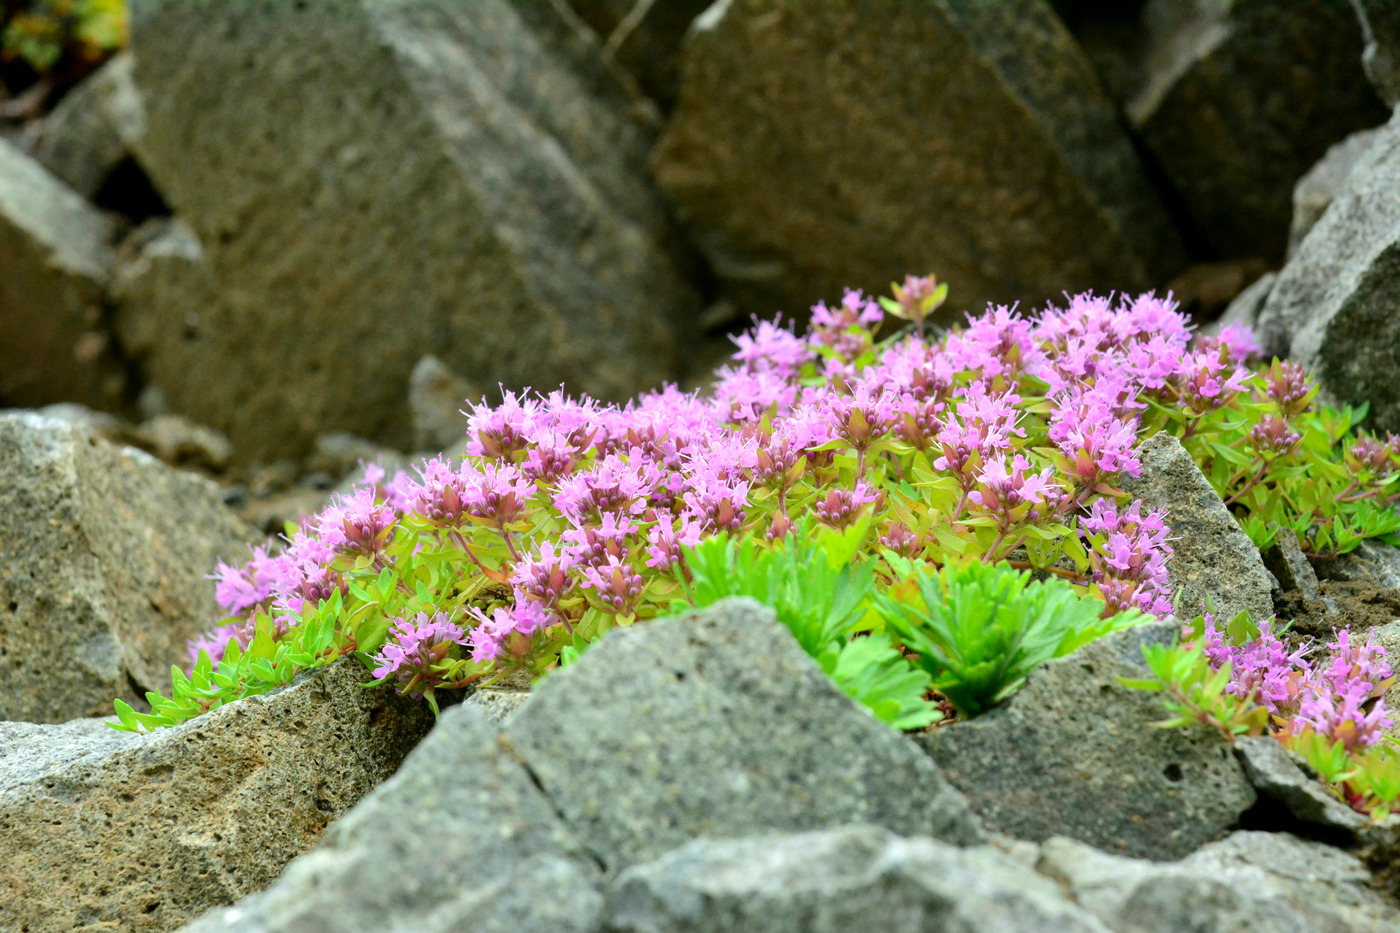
366,182
1074,753
850,878
1333,305
1212,560
718,724
104,553
55,261
1380,23
1236,99
819,146
112,831
459,839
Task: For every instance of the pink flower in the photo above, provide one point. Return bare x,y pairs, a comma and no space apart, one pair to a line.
414,647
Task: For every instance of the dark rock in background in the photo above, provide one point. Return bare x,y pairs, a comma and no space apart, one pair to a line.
716,723
1333,306
459,839
367,182
1212,558
1074,753
104,553
1234,100
816,147
55,260
1380,23
644,37
437,398
107,830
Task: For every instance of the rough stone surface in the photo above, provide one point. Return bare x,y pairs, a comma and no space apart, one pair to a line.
1314,191
848,878
178,440
1245,308
1332,308
103,557
1277,777
1074,753
1380,24
370,181
816,147
1289,565
436,399
56,262
1372,563
1212,558
143,833
459,839
645,38
1236,100
1250,882
93,129
718,724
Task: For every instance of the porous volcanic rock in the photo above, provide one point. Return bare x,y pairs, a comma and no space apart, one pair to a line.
55,261
109,831
1236,99
1332,308
365,182
1074,753
1212,558
820,146
104,553
717,723
459,839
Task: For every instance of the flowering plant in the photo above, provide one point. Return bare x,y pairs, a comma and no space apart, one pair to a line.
1000,441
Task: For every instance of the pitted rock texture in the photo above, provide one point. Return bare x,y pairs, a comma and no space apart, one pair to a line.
106,831
1313,193
56,261
1212,558
459,839
816,147
104,553
717,723
370,181
1074,753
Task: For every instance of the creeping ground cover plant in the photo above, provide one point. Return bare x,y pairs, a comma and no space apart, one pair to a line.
921,478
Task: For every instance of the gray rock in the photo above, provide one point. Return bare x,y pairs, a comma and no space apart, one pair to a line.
1380,24
1378,845
1212,558
644,36
370,181
344,456
103,557
1074,753
1244,309
1251,882
1237,99
103,424
1332,307
498,703
1372,563
459,839
144,833
1277,777
177,440
1289,565
56,260
718,724
1315,190
848,878
436,399
958,136
93,129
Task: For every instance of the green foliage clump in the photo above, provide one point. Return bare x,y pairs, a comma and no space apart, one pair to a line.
44,34
980,629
